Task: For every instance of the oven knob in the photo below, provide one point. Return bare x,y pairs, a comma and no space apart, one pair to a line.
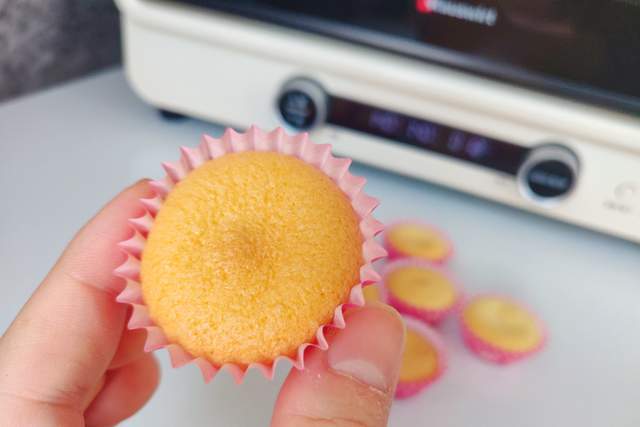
549,173
302,104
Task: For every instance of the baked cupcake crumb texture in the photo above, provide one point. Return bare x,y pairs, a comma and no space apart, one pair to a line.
241,275
248,256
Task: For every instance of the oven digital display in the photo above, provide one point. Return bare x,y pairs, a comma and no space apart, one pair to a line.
426,135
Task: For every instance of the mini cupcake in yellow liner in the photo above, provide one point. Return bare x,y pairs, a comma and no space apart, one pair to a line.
424,359
420,289
416,239
254,244
501,330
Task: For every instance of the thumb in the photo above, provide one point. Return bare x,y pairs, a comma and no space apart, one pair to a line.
351,384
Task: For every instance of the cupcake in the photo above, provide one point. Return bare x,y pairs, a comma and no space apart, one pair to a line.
414,239
420,289
423,359
423,356
499,329
252,247
372,294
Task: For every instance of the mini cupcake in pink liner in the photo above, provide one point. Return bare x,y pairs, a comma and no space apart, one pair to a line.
416,239
244,243
424,359
373,294
424,356
420,289
500,329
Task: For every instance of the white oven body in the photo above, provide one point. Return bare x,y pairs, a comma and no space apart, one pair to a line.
231,70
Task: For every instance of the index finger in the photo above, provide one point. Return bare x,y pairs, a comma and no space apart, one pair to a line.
64,338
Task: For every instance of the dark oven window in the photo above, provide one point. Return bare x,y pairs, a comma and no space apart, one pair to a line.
589,49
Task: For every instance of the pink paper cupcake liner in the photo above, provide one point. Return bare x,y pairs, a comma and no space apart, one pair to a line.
407,389
491,352
395,252
431,316
210,148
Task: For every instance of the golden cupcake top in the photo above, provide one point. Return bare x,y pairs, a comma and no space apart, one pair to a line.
248,256
421,287
420,359
503,323
372,294
417,240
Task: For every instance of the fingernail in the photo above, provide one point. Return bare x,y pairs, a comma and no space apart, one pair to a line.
369,349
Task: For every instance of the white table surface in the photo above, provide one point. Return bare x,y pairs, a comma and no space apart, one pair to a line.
65,152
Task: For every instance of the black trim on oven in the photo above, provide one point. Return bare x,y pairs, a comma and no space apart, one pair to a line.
436,55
